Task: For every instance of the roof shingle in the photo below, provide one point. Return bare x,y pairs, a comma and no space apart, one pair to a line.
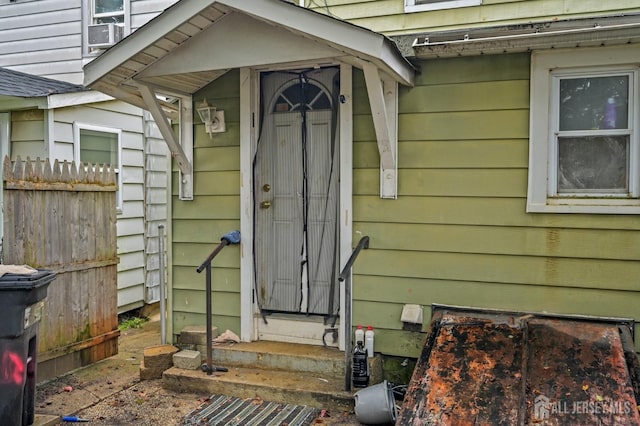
15,83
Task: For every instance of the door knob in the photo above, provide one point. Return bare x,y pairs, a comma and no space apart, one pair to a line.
265,204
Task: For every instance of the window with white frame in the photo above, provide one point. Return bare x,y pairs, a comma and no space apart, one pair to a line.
424,5
584,152
108,11
100,146
106,22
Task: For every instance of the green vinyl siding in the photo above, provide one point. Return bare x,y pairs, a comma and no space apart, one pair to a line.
198,225
388,16
391,339
187,278
449,183
459,234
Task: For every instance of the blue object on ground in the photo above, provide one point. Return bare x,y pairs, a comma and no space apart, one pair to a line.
74,419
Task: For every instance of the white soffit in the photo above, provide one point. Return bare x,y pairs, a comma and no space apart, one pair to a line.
232,43
140,55
194,42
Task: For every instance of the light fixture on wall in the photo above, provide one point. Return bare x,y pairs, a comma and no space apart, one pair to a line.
212,118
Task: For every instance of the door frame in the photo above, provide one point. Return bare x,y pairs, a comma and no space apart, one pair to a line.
249,133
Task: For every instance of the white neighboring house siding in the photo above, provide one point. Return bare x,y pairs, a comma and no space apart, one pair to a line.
156,166
44,38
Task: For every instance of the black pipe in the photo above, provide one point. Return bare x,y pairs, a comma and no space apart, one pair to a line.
346,275
232,237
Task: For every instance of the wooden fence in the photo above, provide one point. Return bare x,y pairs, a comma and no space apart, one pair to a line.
63,218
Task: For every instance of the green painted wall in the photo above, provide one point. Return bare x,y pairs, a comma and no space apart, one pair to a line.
198,225
458,234
388,16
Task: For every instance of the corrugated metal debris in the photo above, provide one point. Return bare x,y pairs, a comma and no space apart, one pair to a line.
487,368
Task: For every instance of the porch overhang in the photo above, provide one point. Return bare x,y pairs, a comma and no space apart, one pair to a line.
194,42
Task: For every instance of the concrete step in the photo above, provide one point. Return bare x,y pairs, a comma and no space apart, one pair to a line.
274,371
319,360
294,387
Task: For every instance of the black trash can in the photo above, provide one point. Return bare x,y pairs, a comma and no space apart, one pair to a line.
21,301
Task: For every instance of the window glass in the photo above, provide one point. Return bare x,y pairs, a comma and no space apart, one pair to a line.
99,148
108,11
593,164
306,96
108,6
593,103
429,1
584,149
426,5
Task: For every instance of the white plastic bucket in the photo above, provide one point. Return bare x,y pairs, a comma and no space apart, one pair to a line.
375,405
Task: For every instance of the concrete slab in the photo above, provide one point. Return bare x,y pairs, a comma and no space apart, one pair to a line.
293,387
281,356
187,360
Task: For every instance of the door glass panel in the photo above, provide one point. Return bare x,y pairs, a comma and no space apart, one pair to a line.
299,96
594,164
592,103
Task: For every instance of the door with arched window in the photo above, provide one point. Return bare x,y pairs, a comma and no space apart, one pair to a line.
295,187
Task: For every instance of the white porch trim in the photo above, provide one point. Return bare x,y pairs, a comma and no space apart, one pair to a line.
383,98
345,209
248,101
249,107
183,159
315,39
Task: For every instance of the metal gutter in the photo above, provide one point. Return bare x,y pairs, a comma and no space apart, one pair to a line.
528,37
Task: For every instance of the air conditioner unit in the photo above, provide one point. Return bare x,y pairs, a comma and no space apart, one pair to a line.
105,35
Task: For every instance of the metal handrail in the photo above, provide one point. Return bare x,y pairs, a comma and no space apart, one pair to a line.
345,276
362,244
232,237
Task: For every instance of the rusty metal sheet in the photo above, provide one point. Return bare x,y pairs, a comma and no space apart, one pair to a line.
480,368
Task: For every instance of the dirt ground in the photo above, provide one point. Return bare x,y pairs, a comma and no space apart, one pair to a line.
110,393
141,403
147,403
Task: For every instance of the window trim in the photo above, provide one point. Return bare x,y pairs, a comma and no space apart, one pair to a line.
76,153
412,5
88,19
545,65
